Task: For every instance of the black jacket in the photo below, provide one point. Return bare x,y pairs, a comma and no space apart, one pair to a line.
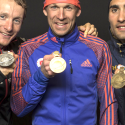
118,57
5,87
117,51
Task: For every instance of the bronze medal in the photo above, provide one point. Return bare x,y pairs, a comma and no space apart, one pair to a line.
6,59
118,80
57,64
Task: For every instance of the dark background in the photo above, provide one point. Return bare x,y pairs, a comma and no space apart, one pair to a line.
93,11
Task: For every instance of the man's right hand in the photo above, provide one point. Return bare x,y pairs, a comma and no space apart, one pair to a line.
45,68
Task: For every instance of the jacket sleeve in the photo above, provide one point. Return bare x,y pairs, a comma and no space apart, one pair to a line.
108,103
26,92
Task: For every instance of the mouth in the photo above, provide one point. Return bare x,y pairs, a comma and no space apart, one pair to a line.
5,34
61,24
121,28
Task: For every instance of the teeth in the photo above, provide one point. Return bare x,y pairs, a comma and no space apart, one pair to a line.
4,34
60,24
122,27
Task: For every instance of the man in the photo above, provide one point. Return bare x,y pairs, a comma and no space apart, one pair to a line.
117,47
12,13
70,97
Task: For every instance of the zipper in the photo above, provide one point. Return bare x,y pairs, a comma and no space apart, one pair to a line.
62,43
71,69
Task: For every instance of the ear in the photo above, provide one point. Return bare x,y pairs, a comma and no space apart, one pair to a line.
45,12
78,13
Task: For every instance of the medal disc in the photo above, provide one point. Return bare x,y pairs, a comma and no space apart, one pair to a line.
6,59
118,80
57,65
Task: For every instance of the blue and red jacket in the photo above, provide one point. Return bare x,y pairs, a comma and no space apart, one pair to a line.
71,97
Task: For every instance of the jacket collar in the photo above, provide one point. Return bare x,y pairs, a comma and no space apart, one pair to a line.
118,45
67,39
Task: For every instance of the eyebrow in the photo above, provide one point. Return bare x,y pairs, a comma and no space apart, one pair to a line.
114,6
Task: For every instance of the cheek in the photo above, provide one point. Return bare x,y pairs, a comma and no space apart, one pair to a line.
16,28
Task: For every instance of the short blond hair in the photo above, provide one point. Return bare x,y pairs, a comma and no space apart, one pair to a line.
23,4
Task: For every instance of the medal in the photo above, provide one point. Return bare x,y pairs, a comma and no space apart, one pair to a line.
6,59
57,64
118,80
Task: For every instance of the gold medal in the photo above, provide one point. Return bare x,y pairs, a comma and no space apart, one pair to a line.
118,80
57,64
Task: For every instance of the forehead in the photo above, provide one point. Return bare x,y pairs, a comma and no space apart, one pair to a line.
117,2
10,7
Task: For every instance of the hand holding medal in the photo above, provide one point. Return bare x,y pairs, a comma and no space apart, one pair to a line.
118,80
57,64
6,59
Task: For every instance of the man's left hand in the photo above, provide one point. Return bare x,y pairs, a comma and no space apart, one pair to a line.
88,29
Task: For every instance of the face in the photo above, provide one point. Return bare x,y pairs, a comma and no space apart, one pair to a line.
61,18
11,17
117,19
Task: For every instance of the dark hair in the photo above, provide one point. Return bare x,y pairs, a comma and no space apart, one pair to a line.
23,4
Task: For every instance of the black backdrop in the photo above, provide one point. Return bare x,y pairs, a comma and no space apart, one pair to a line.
93,11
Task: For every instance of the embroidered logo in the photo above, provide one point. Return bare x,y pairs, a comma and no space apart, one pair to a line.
39,62
54,39
86,64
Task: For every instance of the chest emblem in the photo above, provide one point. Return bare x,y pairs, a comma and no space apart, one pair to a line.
39,62
86,63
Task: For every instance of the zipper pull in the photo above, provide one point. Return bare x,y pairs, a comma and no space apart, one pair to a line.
71,69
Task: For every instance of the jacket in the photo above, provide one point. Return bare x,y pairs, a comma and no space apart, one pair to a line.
118,57
118,52
69,98
5,86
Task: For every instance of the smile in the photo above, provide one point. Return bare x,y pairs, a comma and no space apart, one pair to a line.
60,24
6,34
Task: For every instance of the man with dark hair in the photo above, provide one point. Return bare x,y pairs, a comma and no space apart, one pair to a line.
69,97
117,47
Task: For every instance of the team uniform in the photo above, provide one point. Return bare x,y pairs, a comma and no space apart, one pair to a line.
70,97
5,86
118,57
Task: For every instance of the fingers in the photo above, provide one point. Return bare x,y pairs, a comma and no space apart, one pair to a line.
7,70
116,71
94,33
88,29
45,68
82,28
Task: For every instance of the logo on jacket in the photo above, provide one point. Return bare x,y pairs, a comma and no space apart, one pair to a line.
54,39
86,64
39,62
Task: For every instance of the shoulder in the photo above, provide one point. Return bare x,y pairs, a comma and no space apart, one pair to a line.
31,45
36,40
92,41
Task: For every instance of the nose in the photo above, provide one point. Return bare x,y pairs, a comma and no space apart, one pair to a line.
8,26
61,14
121,17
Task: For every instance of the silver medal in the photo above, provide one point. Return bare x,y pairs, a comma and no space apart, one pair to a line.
6,59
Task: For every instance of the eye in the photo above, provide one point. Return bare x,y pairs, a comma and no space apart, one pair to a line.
2,17
68,8
53,7
17,21
114,10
